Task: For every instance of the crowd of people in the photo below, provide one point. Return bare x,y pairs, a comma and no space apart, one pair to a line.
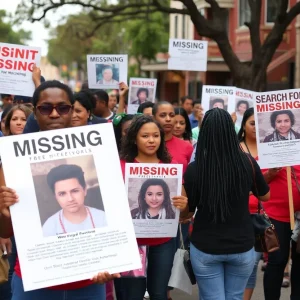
221,186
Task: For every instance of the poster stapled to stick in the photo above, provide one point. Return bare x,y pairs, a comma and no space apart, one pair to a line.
106,71
72,220
141,90
214,96
16,66
150,190
187,55
277,118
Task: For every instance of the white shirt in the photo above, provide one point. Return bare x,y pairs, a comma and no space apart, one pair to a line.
52,226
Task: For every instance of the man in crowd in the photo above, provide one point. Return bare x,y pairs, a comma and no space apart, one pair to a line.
187,104
194,116
101,108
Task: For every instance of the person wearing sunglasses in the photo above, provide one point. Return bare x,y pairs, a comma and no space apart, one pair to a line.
53,107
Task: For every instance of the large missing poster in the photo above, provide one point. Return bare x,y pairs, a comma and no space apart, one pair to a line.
106,71
214,96
187,55
16,65
150,191
69,184
141,90
277,117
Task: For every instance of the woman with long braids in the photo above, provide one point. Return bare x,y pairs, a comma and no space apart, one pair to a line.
145,143
218,183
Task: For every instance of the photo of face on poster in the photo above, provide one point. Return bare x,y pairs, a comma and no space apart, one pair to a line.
282,125
107,74
68,195
218,102
141,95
241,106
151,198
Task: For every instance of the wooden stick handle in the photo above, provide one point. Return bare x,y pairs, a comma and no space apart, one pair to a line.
291,200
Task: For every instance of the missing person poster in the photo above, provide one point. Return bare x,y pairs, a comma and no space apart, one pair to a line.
106,71
16,65
141,90
243,101
150,189
277,118
214,96
187,55
66,224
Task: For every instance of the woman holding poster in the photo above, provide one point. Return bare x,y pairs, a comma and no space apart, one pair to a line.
145,144
52,103
282,121
154,201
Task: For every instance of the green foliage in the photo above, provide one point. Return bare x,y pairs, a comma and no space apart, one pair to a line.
8,35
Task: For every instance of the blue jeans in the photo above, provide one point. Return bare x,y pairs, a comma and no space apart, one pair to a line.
222,277
252,279
91,292
160,263
5,289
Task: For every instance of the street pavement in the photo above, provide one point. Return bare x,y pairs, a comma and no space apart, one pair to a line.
258,292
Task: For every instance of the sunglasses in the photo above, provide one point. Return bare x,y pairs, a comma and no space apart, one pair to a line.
47,110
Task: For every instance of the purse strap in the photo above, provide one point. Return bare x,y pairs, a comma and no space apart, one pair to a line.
296,179
181,238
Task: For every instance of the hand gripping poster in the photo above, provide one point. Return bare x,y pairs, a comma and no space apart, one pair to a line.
150,190
106,71
16,65
141,90
72,220
277,118
214,96
187,55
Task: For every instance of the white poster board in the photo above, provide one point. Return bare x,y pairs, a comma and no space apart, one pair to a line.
150,189
106,71
187,55
16,65
243,101
140,90
214,96
66,232
277,119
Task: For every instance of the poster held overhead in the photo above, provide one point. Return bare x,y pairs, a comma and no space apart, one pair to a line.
69,183
187,55
106,71
277,119
150,190
141,90
16,65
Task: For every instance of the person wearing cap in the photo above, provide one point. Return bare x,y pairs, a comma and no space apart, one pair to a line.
68,185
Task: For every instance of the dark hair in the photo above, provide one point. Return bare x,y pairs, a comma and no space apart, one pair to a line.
101,95
248,113
9,116
129,149
85,86
144,105
217,100
219,159
51,84
143,206
140,90
118,130
187,135
158,104
6,111
183,99
86,99
242,102
64,172
5,95
197,101
275,114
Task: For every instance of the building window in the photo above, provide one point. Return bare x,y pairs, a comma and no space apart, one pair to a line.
176,27
183,26
244,12
271,11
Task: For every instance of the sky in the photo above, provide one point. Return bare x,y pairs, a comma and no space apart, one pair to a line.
39,33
